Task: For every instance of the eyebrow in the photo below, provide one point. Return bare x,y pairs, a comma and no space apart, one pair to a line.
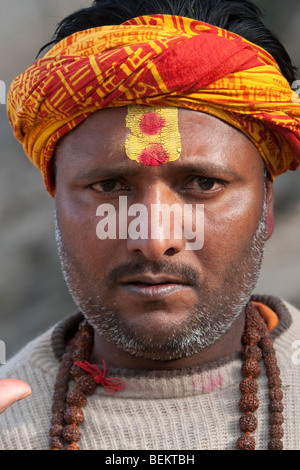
104,172
123,170
207,169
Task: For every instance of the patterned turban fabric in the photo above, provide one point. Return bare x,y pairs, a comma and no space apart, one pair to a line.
156,60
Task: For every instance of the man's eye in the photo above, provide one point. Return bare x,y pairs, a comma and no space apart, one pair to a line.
205,184
107,186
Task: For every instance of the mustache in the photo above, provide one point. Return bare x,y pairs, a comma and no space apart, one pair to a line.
185,273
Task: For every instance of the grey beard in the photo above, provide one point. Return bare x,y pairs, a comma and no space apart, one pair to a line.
207,323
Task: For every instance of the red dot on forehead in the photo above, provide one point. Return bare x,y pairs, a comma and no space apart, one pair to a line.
154,155
151,123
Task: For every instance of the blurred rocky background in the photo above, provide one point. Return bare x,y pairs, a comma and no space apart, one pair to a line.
33,295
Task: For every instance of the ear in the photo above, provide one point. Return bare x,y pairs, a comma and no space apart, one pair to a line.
269,209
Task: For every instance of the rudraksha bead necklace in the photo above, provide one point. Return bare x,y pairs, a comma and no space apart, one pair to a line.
257,345
67,413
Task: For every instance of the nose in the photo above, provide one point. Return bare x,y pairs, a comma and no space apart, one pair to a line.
159,222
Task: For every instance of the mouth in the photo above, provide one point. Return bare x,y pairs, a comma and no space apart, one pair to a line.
153,287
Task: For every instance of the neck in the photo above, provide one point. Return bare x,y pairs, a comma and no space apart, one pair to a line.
227,345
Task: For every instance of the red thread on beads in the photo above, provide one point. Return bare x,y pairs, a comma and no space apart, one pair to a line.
110,385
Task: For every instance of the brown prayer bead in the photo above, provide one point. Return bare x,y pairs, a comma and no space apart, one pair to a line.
275,444
76,371
251,337
248,385
274,381
252,352
268,351
71,433
57,418
61,384
55,443
76,398
275,394
270,361
79,354
276,431
56,430
266,342
276,407
272,370
74,415
58,407
87,384
59,395
245,443
251,368
85,341
276,418
248,423
248,403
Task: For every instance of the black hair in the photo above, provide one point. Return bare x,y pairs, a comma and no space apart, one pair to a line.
242,17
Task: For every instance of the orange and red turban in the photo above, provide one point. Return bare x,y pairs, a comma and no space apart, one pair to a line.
156,60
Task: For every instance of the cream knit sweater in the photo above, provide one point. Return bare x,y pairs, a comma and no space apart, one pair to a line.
176,410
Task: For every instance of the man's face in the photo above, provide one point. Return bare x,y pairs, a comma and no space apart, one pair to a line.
150,297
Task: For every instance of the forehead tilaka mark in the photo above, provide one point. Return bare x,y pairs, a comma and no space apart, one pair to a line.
154,136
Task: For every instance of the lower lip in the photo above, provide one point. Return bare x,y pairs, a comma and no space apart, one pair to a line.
153,291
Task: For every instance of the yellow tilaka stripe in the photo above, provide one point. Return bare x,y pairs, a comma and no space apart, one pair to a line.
168,136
